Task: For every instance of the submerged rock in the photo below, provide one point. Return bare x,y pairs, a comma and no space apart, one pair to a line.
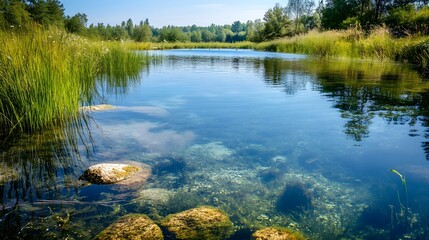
155,196
132,226
199,223
294,198
214,151
101,107
108,173
274,233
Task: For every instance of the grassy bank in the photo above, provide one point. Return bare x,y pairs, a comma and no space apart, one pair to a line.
46,75
187,45
378,45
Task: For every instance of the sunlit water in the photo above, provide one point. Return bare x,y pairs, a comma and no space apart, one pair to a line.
271,139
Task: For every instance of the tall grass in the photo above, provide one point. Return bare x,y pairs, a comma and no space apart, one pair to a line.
377,45
46,75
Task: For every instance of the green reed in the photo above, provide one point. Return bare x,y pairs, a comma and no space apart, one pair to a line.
377,45
45,75
404,185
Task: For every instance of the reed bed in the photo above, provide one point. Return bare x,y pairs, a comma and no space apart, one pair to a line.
45,76
377,45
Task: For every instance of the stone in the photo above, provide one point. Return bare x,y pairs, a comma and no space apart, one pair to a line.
101,107
274,233
199,223
132,226
109,173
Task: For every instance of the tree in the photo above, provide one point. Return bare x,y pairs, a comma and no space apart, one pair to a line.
207,36
336,11
277,23
77,23
143,33
47,12
298,9
118,33
236,27
220,35
196,36
130,28
16,15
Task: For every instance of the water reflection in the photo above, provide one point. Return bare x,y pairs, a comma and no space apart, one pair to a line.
235,147
39,187
360,90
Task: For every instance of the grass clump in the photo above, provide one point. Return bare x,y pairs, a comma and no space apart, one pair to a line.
45,75
353,43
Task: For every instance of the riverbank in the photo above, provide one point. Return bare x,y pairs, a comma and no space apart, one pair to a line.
378,45
46,75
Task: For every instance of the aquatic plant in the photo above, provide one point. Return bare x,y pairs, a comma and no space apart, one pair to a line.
45,75
403,224
404,185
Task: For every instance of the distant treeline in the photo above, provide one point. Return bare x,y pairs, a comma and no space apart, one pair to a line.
402,17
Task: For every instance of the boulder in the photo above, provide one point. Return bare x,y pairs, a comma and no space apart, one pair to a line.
108,173
132,226
274,233
199,223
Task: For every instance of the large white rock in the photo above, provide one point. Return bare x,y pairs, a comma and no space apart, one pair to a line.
108,173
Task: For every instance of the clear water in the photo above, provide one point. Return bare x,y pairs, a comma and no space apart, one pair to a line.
271,139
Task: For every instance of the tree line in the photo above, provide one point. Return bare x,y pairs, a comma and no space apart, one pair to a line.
402,17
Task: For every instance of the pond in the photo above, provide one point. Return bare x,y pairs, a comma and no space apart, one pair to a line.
337,149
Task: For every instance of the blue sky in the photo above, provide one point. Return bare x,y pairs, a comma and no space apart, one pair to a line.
173,12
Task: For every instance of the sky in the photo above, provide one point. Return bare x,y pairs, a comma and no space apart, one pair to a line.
173,12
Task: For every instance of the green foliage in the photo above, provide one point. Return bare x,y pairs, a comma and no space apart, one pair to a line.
172,34
16,15
277,23
379,44
143,32
298,9
47,12
408,20
336,12
76,24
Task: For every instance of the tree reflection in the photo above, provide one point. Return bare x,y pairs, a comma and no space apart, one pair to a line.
286,74
360,90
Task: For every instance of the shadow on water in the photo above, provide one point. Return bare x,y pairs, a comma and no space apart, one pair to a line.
41,167
40,196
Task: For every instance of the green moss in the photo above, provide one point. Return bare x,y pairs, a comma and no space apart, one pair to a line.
132,226
199,223
277,233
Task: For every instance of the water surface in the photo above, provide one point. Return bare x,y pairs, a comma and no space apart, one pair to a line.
272,139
